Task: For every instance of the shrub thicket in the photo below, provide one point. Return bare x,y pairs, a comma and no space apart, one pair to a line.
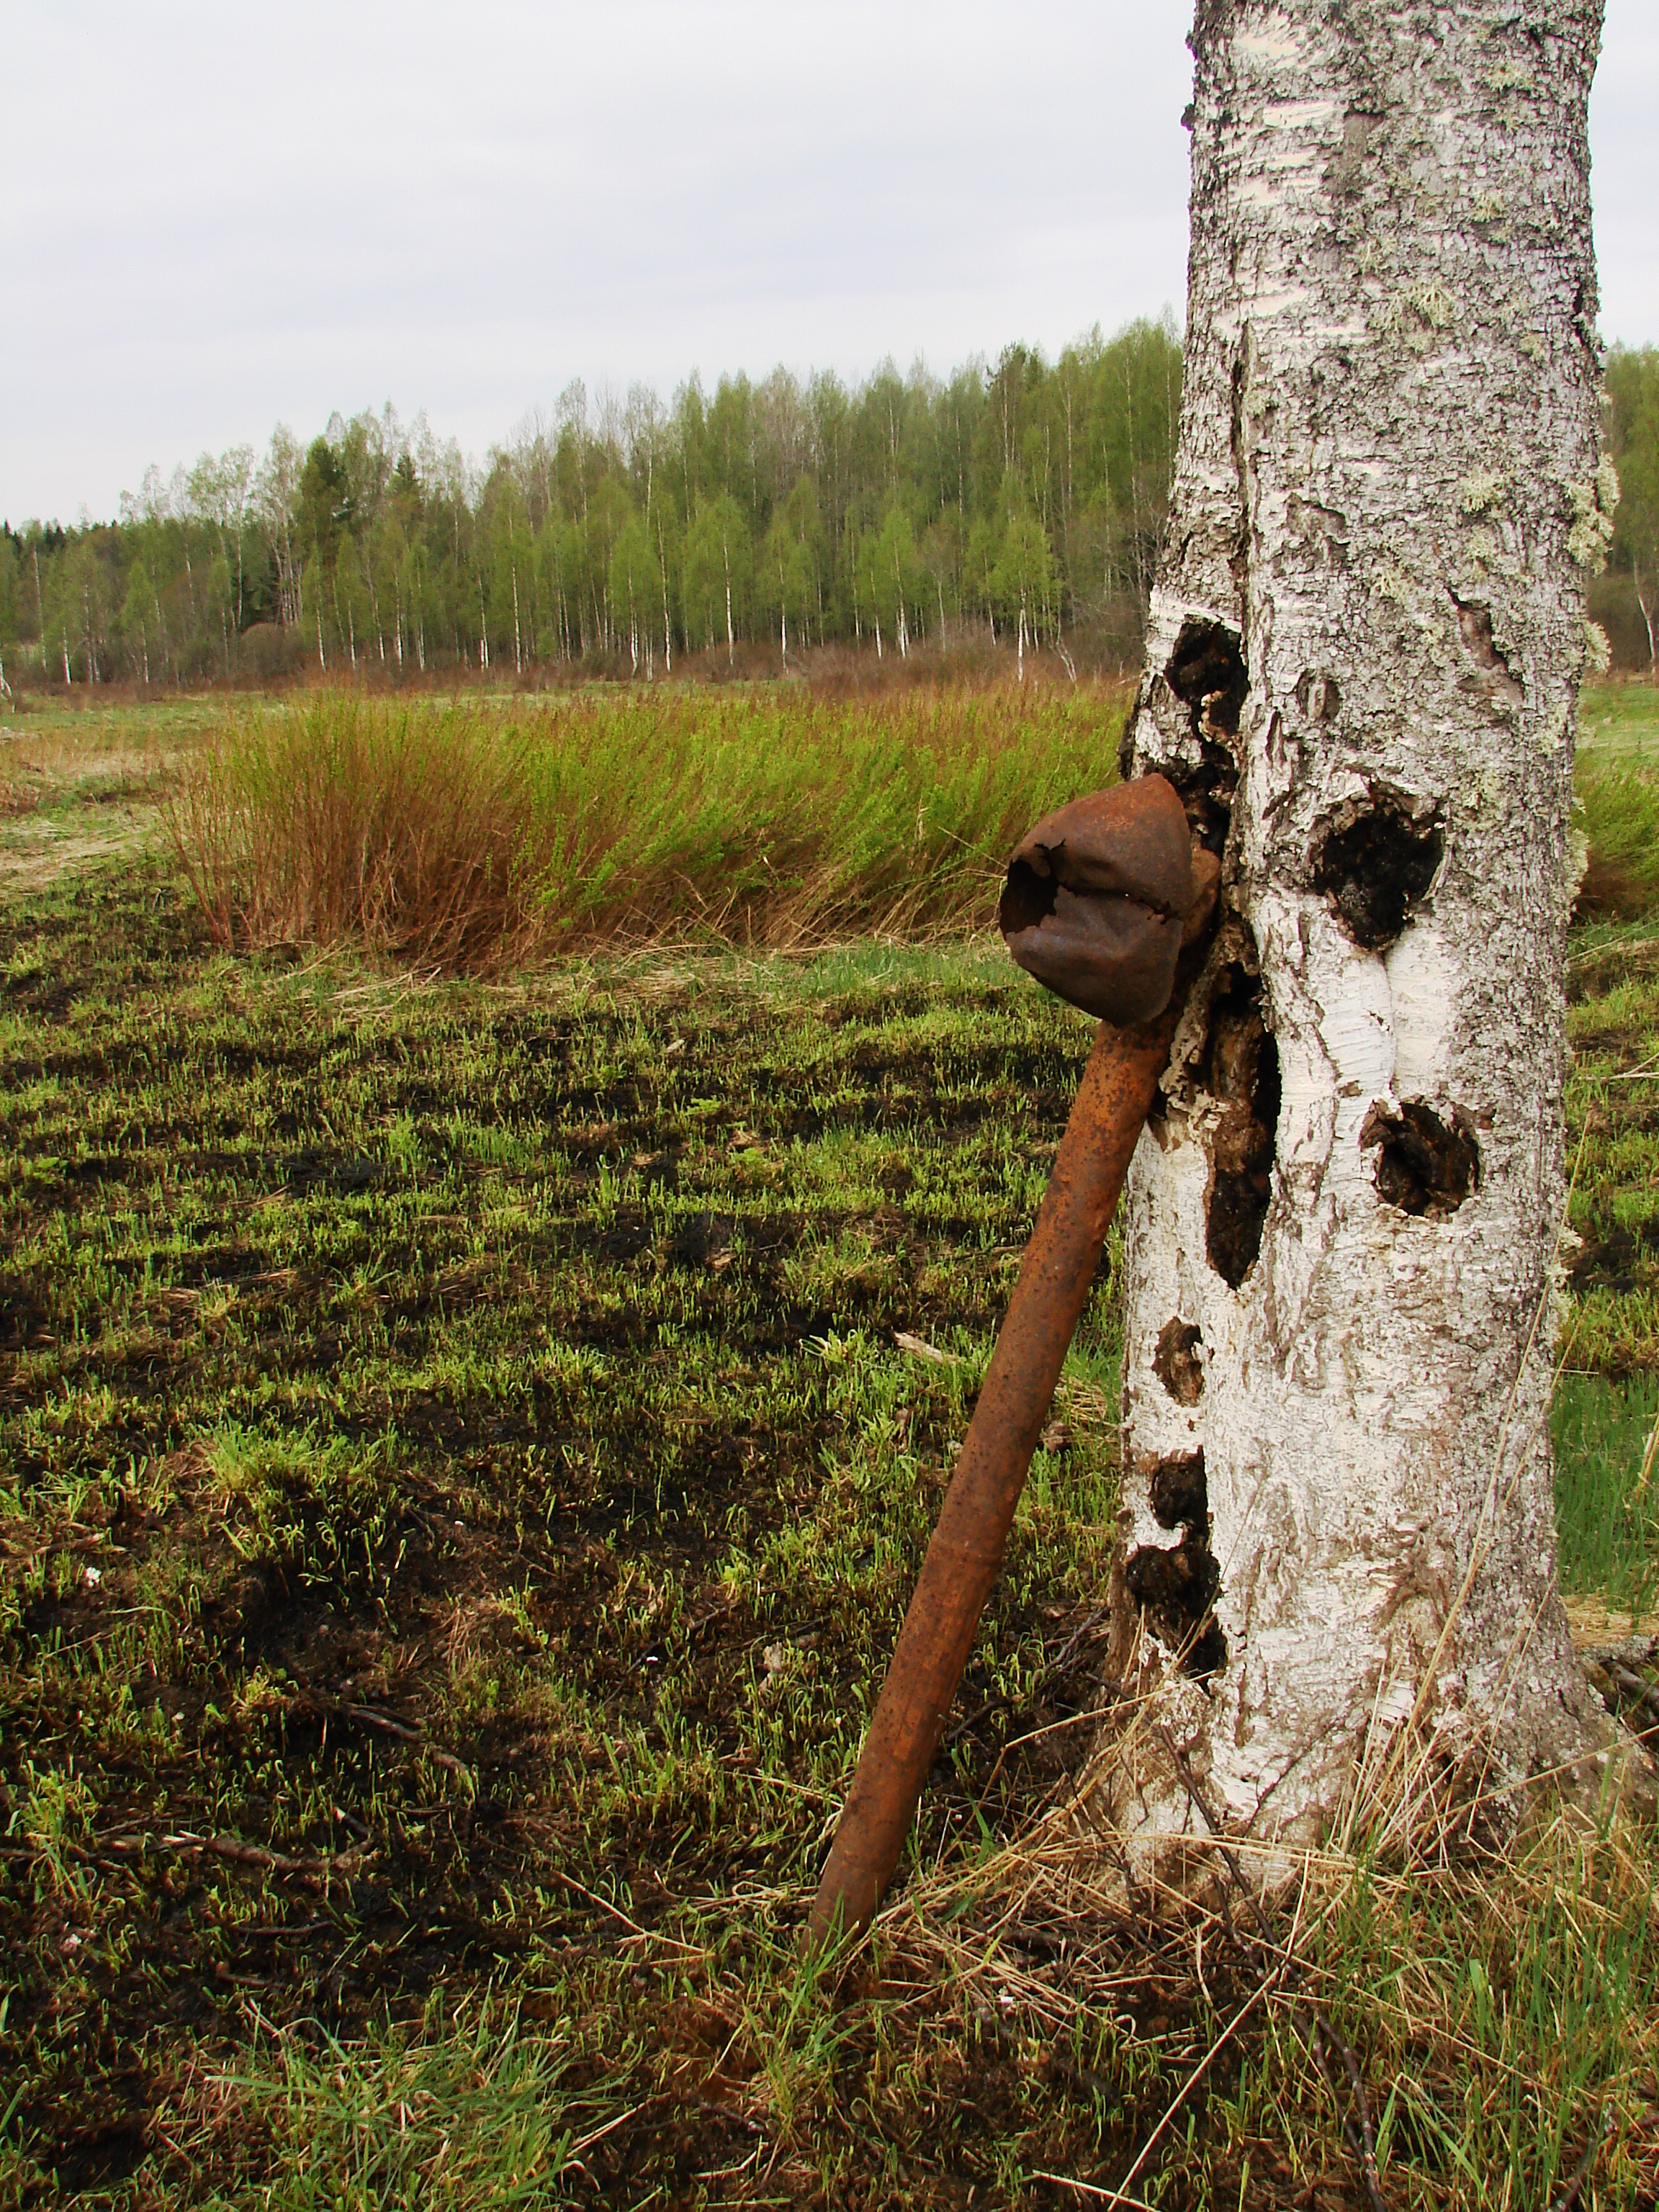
465,838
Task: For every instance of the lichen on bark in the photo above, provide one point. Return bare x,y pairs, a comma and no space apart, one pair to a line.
1363,654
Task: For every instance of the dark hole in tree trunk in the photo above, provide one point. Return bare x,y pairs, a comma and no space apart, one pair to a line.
1376,869
1180,1494
1176,1585
1422,1165
1241,1069
1207,673
1206,669
1207,792
1176,1363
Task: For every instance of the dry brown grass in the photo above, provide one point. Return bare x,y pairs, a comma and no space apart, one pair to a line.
340,821
467,839
1495,2000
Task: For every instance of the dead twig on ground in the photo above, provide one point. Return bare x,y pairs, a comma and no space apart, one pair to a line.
1581,2172
315,1867
388,1724
1322,2038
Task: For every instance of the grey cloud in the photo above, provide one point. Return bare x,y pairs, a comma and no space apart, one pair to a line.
233,216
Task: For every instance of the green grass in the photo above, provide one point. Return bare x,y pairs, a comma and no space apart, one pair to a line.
1608,1518
518,1364
1612,1024
1617,785
454,1443
464,838
1619,717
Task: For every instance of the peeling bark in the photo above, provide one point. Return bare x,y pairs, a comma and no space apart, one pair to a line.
1363,656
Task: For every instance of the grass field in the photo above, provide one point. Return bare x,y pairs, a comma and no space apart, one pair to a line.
460,1482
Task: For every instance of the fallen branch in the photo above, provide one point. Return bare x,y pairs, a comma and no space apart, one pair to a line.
388,1724
919,1348
316,1867
371,1718
638,1934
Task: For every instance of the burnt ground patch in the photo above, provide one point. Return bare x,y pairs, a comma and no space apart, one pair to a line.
460,1487
460,1480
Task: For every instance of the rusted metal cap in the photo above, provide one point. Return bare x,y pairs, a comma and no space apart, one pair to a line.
1096,896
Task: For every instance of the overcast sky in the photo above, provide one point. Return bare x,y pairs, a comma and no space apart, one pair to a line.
217,217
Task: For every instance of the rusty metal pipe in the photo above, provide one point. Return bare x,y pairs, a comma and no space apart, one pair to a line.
1103,897
965,1555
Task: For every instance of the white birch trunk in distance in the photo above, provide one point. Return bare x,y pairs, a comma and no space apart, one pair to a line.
1363,665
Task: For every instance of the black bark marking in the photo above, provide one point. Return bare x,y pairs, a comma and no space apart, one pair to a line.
1496,677
1319,697
1207,792
1180,1494
1241,1069
1206,671
1375,867
1177,1586
1177,1367
1422,1166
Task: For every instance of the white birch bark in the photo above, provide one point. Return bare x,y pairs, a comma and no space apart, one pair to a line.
1369,629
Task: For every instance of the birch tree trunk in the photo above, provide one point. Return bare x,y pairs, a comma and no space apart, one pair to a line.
1363,656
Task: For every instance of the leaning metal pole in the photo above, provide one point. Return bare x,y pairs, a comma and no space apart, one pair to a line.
965,1556
1098,913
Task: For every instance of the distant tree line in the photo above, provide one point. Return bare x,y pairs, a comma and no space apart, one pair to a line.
1023,499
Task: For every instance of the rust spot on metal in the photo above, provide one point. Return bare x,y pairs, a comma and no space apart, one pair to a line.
1097,897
